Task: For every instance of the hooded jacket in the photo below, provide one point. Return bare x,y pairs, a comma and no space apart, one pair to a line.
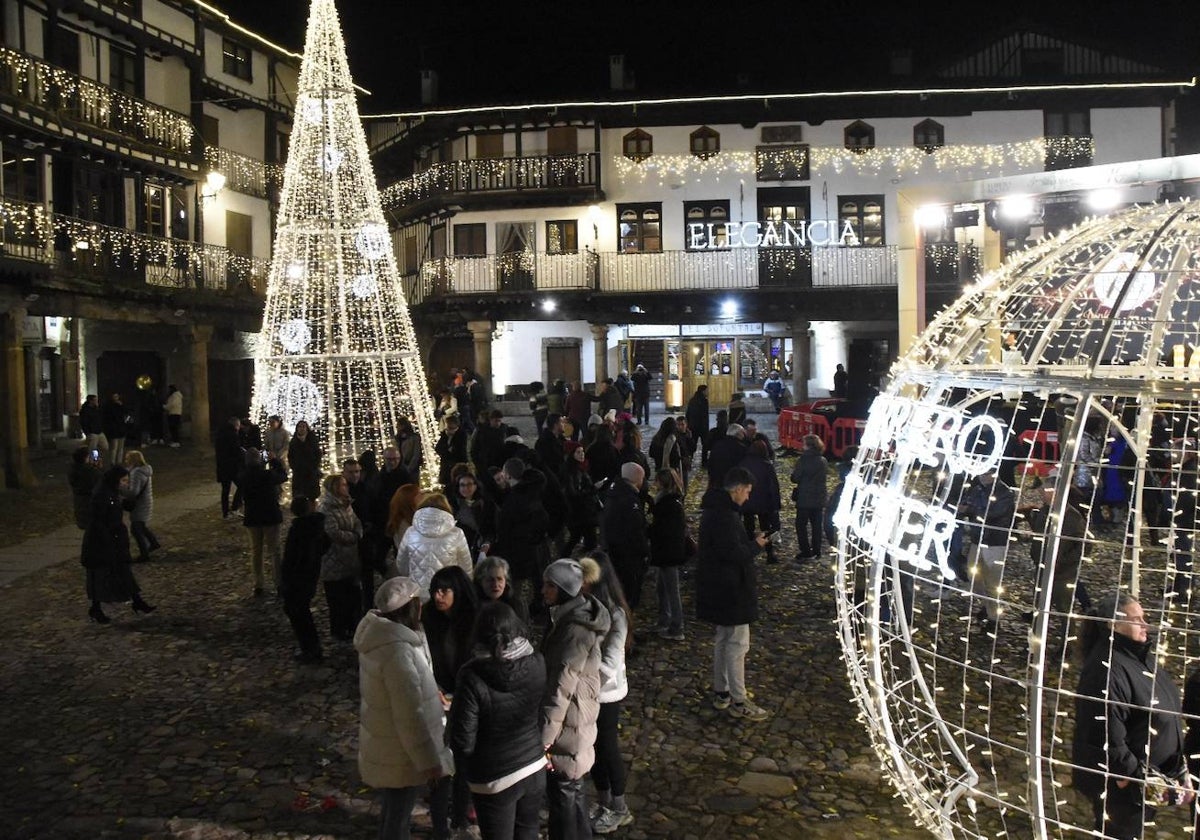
400,733
614,685
141,493
341,560
572,649
493,722
726,580
433,541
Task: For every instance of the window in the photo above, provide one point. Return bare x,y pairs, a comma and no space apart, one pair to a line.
704,142
639,227
122,70
715,213
210,131
470,240
929,135
411,256
239,233
562,140
859,137
1068,138
781,163
489,146
61,46
156,210
235,59
865,215
637,145
562,237
22,176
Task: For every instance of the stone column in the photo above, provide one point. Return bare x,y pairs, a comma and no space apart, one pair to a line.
71,396
14,429
801,360
481,334
195,391
600,343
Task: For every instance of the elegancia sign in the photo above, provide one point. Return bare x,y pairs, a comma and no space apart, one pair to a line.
889,519
819,232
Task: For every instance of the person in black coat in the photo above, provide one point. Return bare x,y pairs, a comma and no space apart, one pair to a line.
228,446
116,423
521,524
451,449
105,552
493,726
300,571
549,446
810,477
474,512
583,501
487,444
727,589
697,419
260,481
668,551
726,454
1116,734
764,503
623,531
304,459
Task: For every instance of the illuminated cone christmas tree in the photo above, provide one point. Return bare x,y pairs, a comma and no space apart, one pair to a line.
337,347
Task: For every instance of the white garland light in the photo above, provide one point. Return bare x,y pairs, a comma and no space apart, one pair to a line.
1093,332
337,347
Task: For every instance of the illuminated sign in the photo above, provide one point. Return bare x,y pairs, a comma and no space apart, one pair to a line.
703,237
889,519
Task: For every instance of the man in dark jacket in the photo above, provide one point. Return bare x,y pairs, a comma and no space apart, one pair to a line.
727,589
992,503
611,398
306,543
391,478
549,446
451,449
91,423
362,500
1071,529
641,395
259,483
697,418
228,448
521,523
623,531
116,426
487,444
571,706
726,454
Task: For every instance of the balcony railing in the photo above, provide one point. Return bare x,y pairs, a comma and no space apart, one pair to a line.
75,99
245,174
80,248
664,271
514,174
949,265
1069,152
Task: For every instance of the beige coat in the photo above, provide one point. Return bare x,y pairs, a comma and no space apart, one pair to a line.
400,734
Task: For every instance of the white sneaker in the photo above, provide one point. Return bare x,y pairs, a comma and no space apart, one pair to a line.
610,820
748,711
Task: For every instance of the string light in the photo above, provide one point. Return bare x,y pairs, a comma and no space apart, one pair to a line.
337,347
215,266
244,174
87,101
489,174
1078,349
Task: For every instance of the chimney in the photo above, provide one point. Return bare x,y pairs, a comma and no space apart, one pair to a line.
618,77
429,87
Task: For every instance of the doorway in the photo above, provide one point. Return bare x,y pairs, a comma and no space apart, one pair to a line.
562,362
710,363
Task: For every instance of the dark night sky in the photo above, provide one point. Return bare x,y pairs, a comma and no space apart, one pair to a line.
488,52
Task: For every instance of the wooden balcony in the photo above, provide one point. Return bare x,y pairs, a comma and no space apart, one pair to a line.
773,269
475,184
71,249
52,100
245,174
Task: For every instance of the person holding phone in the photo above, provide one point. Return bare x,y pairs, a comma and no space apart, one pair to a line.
763,506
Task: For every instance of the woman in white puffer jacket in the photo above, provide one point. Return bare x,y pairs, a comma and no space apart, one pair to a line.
434,541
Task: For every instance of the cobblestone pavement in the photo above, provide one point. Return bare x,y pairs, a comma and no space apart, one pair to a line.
194,722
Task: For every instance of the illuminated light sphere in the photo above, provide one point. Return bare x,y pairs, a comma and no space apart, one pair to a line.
144,382
295,398
373,241
337,347
364,286
1076,362
295,335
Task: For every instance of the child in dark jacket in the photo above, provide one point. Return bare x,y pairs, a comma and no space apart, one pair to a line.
306,543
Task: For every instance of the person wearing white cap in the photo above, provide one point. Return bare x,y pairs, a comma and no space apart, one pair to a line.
401,745
571,706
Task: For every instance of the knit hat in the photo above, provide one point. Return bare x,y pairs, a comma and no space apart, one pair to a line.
567,575
395,593
595,420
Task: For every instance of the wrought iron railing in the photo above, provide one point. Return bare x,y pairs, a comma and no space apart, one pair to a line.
663,271
245,174
80,248
512,174
75,99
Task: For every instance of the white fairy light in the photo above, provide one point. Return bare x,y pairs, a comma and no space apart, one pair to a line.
1093,333
337,347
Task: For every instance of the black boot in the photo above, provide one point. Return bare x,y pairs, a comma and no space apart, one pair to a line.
97,615
140,606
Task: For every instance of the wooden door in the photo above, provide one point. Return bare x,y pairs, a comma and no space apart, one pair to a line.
562,363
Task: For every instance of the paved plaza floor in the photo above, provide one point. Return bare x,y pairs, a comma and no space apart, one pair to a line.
194,722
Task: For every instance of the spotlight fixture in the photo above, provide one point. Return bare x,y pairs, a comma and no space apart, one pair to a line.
729,309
